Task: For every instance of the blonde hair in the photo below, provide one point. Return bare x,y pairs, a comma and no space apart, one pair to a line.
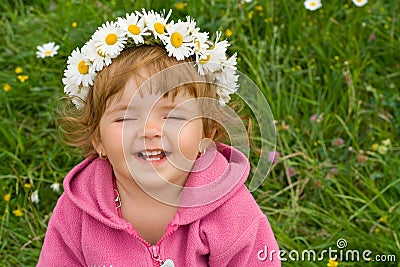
81,126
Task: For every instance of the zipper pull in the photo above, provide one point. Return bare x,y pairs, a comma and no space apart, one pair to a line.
168,263
155,255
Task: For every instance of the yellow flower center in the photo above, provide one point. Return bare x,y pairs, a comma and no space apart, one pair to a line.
205,60
313,4
159,27
100,53
47,53
111,39
176,39
134,29
83,68
197,42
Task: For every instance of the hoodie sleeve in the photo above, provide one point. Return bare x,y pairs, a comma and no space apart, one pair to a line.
62,238
255,247
247,238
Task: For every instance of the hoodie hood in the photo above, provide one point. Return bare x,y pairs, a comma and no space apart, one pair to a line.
215,177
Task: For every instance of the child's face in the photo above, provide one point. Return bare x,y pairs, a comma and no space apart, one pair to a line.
151,138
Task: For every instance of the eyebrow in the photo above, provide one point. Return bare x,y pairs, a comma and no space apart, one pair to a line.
163,107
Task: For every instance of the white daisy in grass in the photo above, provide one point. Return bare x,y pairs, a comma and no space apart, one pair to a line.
211,58
79,71
35,197
47,50
109,39
179,43
97,59
312,4
156,23
134,27
360,2
55,187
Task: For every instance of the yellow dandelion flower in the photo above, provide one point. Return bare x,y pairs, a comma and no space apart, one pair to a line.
228,33
180,5
18,212
259,8
27,185
377,230
250,14
7,197
18,70
374,147
6,87
22,78
74,24
332,263
383,219
336,58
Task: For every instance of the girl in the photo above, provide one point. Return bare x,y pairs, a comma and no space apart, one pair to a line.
157,187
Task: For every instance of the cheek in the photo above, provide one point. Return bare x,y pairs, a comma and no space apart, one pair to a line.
111,138
189,139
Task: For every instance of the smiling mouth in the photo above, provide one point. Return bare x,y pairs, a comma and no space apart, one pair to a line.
153,155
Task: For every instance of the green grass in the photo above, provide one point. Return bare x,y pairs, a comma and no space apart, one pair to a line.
340,63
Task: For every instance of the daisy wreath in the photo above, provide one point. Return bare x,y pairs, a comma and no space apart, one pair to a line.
181,39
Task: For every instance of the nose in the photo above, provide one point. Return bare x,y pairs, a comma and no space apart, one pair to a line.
152,128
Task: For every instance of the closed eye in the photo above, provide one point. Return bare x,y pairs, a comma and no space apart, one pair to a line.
124,119
176,118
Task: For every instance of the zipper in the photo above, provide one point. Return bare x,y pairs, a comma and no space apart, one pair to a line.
155,249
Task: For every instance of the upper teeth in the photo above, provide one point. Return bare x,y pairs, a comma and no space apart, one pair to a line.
151,153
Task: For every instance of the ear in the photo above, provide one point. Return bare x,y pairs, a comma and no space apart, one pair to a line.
98,146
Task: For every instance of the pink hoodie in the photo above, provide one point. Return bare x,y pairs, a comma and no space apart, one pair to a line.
85,229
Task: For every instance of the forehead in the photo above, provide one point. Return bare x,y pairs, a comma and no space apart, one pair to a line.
145,96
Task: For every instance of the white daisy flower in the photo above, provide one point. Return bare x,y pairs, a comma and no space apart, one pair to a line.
35,197
180,41
228,74
55,187
212,58
97,59
201,42
79,70
47,50
133,26
312,4
360,2
109,39
77,92
224,96
156,23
